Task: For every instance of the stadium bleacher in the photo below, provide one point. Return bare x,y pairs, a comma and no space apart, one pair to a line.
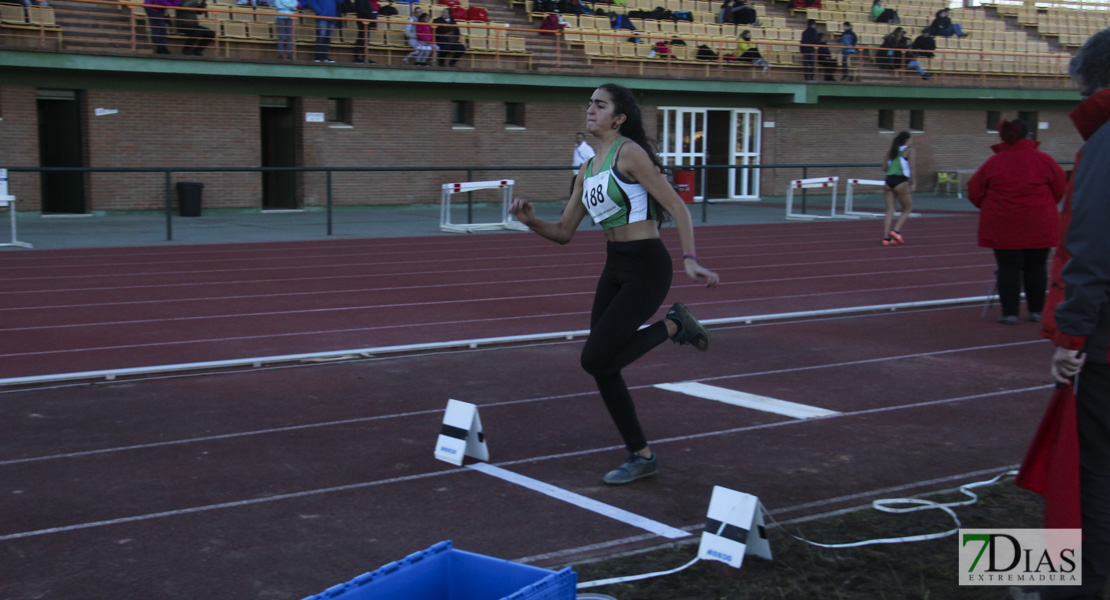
1005,39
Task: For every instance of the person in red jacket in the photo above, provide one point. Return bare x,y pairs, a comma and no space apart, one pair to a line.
1017,191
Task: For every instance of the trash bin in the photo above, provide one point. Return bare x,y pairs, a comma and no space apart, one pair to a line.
443,573
189,194
684,185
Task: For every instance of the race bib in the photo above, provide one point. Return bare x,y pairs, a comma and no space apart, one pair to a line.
595,195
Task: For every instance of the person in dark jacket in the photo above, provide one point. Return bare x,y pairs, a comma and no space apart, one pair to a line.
448,39
367,13
809,50
742,14
848,41
922,48
199,37
1016,191
156,22
1077,317
825,58
943,26
891,54
324,26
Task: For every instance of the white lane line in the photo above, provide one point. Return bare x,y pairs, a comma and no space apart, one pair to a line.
581,501
235,504
745,400
571,552
532,460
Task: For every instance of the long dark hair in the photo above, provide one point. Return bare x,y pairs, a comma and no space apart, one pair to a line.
898,141
1012,131
624,103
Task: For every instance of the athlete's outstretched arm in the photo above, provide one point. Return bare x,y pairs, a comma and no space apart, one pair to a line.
634,161
561,231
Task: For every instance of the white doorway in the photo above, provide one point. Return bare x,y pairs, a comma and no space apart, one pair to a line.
700,136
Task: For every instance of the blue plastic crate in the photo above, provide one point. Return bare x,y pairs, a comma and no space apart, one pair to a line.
443,573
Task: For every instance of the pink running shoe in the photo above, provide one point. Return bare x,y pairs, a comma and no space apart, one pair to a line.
897,237
889,242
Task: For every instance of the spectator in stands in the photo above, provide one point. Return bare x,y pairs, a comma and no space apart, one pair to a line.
187,24
420,38
923,47
725,14
892,50
901,166
582,153
809,50
576,7
23,3
283,25
663,48
742,14
1078,313
156,22
448,38
367,13
879,14
1017,191
747,51
328,10
848,40
825,58
944,27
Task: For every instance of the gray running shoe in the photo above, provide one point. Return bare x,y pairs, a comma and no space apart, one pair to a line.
1008,319
636,467
689,330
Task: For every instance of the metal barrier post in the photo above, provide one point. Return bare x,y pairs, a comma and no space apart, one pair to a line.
704,197
805,175
329,202
469,199
169,209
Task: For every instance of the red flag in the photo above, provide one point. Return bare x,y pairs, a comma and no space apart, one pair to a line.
1051,465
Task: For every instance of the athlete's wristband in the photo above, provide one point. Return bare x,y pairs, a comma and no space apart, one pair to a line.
685,256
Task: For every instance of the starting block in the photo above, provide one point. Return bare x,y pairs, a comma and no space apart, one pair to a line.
733,528
811,183
850,211
9,202
461,434
507,221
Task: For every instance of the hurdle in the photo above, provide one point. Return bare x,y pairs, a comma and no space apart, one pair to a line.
848,197
811,183
9,202
507,221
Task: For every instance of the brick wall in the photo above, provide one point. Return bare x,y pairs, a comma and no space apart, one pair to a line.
420,133
19,143
157,129
951,139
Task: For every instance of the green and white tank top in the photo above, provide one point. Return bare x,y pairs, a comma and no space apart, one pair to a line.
899,165
611,199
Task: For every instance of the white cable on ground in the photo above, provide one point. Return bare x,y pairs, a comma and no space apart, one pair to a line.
916,504
611,581
886,505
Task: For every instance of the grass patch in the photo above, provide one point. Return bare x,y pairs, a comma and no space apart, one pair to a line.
909,571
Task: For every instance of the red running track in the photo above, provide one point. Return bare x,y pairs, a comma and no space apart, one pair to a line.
86,310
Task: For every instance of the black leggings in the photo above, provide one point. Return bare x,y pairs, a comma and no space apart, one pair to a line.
1016,266
634,283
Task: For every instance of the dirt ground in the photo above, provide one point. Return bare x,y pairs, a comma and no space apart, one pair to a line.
800,571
